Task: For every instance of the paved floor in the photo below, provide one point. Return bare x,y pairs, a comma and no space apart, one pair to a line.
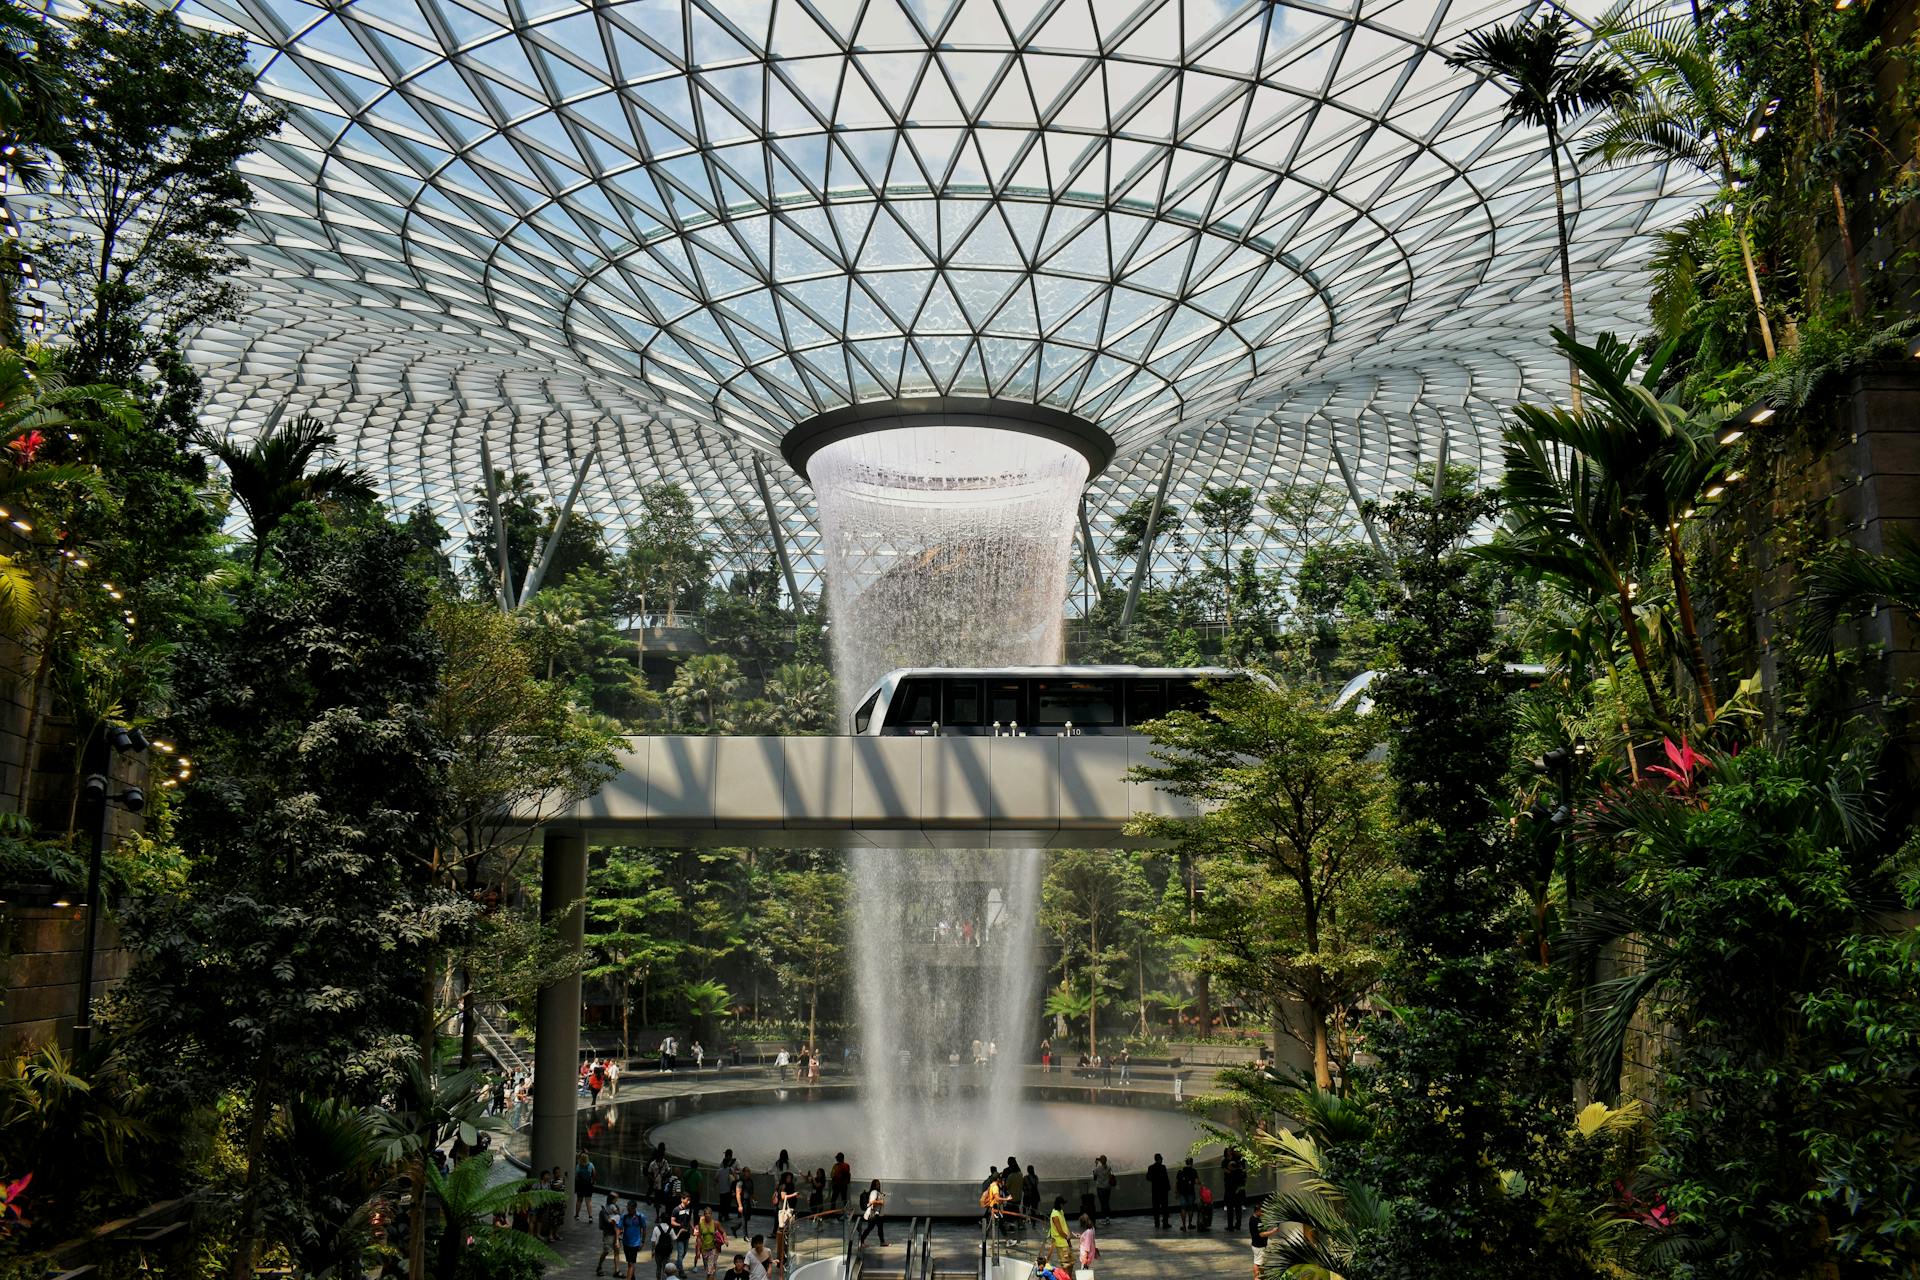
1130,1247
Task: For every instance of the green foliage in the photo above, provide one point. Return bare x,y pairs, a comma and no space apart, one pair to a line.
530,520
149,163
1093,904
1290,839
1465,1078
804,925
469,1199
273,473
667,565
1752,882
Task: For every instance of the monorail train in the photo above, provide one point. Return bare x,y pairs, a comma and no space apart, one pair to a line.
1037,701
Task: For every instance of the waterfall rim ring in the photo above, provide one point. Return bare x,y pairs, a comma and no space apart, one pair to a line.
807,438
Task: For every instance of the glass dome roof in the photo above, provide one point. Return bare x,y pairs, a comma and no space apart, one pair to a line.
1248,233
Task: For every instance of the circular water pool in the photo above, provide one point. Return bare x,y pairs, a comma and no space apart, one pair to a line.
1061,1138
1056,1133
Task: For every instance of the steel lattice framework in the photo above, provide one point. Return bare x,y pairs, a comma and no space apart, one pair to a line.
1252,235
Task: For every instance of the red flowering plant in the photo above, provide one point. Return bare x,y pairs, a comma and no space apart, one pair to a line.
13,1200
26,448
1685,769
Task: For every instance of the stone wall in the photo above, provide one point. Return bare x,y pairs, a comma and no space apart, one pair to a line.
40,971
1859,480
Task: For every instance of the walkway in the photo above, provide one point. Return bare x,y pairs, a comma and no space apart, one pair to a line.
1130,1249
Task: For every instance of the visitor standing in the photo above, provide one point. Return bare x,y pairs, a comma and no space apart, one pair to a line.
1089,1249
609,1233
1157,1184
633,1235
782,1166
1058,1248
1233,1181
1046,1057
583,1172
817,1191
1126,1064
1259,1238
1103,1181
1015,1184
699,1057
613,1079
842,1181
1187,1184
783,1220
873,1212
1030,1193
813,1067
695,1183
759,1259
780,1061
743,1198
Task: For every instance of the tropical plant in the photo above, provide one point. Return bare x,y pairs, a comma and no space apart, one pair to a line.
273,473
1747,883
1551,77
35,94
708,1001
1589,495
470,1199
801,696
1849,579
426,1108
328,1151
82,1129
1688,107
702,684
1290,832
149,167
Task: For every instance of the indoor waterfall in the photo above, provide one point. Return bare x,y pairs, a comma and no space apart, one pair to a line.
946,546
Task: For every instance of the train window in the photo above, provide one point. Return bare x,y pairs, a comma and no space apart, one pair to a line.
1146,700
864,716
1081,703
962,704
1006,702
916,705
1182,695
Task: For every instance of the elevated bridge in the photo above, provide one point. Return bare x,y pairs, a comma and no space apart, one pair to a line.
884,792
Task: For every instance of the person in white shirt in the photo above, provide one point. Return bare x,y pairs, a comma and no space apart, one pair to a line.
699,1055
780,1063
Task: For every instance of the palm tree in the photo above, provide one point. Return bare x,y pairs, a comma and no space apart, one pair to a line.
1663,456
1850,579
469,1200
802,696
327,1151
1550,77
1567,521
270,475
1688,109
426,1109
705,681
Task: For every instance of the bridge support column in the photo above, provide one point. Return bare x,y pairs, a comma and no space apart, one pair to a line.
556,1028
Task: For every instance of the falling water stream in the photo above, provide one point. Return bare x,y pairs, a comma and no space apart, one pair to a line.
945,546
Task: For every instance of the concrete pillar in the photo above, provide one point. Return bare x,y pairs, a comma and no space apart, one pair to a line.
556,1027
